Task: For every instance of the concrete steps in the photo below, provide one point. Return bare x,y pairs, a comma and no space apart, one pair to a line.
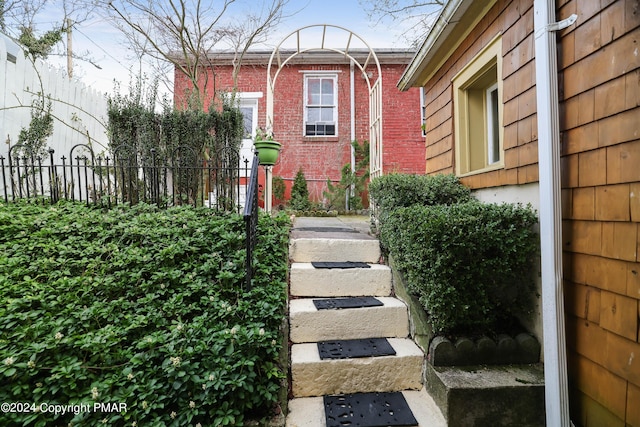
309,411
307,281
312,376
328,249
308,324
333,240
319,330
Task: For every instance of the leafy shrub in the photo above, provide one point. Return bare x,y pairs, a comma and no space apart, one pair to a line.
336,195
402,190
469,264
141,307
300,193
134,124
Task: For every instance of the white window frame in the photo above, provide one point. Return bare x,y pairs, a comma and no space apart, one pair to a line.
493,131
334,77
423,111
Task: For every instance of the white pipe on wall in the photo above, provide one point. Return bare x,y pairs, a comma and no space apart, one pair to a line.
555,356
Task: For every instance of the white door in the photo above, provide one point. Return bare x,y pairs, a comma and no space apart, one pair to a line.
249,109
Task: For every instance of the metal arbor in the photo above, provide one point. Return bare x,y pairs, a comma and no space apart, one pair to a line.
322,35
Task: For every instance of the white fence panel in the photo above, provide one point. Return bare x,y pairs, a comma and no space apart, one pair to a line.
79,112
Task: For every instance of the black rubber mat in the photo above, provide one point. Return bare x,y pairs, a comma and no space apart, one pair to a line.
351,302
351,349
348,264
368,410
327,229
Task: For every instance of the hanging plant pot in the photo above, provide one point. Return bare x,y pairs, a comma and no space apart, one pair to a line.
268,151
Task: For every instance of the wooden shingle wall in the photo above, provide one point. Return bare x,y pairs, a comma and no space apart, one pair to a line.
514,20
599,83
600,121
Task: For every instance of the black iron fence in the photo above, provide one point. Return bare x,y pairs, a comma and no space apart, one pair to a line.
222,181
179,178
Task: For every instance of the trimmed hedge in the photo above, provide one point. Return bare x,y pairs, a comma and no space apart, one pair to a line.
469,264
142,307
400,190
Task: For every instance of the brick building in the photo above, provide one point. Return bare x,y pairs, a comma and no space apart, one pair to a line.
487,121
321,104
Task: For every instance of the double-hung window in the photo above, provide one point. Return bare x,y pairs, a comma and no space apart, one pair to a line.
478,112
320,105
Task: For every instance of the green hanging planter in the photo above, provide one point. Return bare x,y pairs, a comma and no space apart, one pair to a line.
268,151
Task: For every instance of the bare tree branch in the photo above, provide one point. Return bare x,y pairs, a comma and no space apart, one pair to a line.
184,32
416,16
19,17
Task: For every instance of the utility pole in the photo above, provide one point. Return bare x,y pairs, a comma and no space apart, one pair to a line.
69,50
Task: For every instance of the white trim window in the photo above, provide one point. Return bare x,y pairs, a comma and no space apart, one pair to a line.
423,111
493,125
320,105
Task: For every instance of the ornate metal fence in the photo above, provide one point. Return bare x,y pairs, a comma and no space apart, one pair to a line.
179,177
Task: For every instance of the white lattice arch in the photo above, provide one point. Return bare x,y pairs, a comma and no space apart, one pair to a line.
322,32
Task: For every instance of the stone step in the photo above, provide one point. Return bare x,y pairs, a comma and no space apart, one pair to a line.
309,411
308,324
312,376
308,281
359,249
488,395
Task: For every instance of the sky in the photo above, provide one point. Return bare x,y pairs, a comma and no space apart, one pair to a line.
109,53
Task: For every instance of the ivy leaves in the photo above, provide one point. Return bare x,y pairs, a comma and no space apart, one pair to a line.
140,306
134,123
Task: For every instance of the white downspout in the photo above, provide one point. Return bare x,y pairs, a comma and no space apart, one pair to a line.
555,354
352,94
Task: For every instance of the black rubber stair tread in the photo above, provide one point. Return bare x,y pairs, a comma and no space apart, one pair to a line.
351,349
350,302
368,410
347,264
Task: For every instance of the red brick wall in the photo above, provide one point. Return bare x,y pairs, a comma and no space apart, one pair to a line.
403,143
322,158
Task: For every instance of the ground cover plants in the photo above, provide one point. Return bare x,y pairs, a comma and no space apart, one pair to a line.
469,263
141,307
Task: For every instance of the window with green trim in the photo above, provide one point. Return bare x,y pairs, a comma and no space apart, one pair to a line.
478,112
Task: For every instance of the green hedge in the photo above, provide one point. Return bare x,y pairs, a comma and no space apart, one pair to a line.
469,264
140,307
400,190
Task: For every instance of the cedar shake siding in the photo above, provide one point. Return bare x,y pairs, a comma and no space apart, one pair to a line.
599,93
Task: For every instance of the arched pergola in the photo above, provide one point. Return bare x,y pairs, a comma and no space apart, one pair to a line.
320,35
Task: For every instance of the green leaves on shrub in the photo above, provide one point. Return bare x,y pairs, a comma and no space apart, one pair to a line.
300,193
469,264
400,190
139,306
348,193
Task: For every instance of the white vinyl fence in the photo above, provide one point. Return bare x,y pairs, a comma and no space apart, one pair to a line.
80,113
